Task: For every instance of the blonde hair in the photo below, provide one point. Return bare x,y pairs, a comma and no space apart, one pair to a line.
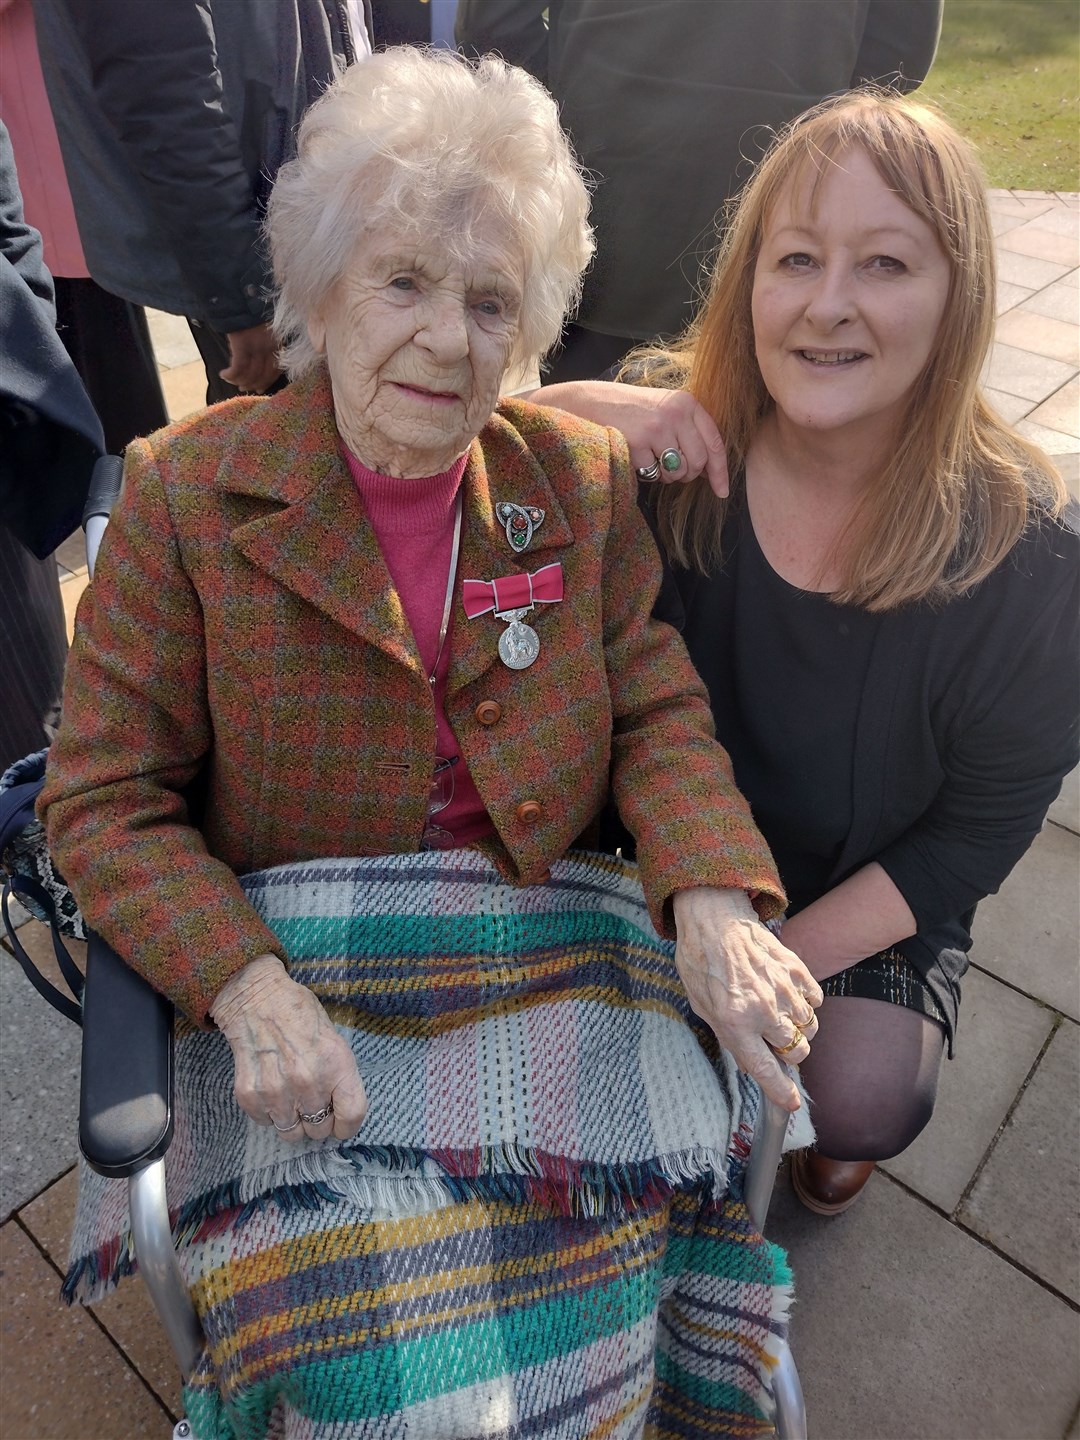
956,492
429,142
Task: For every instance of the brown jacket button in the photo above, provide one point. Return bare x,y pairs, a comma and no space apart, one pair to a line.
489,712
530,812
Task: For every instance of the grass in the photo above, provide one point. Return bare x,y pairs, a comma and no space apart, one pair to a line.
1007,74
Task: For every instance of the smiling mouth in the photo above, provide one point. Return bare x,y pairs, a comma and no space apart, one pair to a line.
831,357
439,396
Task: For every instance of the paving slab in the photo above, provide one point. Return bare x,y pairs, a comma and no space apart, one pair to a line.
1060,301
1021,372
185,389
1039,241
71,553
907,1328
75,1383
127,1314
1061,410
1022,207
1010,295
1027,330
173,342
1000,1036
1026,934
39,1085
1011,408
1026,1201
1026,270
1062,220
1054,442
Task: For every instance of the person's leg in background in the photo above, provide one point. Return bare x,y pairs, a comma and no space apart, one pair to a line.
109,341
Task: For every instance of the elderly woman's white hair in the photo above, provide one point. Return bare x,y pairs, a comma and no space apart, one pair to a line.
427,141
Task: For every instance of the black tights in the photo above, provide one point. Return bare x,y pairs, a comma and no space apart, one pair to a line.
872,1077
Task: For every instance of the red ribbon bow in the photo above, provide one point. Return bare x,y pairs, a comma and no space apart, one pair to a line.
512,592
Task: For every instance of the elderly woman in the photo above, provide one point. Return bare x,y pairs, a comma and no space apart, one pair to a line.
883,604
382,615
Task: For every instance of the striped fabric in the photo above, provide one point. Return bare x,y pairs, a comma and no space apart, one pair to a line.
534,1233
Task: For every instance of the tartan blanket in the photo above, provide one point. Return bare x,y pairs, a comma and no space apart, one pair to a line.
538,1231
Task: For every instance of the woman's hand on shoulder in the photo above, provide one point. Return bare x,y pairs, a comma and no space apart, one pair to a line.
756,996
653,421
290,1060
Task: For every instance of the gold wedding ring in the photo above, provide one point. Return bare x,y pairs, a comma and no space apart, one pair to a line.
794,1044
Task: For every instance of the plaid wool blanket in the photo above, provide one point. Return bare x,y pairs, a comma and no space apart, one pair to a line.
533,1235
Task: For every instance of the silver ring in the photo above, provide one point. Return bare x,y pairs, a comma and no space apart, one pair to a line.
671,459
284,1129
649,472
320,1115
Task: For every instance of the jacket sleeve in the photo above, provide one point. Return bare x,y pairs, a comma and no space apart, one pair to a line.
50,435
155,75
899,42
515,29
1003,770
672,781
135,731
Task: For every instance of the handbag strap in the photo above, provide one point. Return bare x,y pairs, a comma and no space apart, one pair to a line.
70,1009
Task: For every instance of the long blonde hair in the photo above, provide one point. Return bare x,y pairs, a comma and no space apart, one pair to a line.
959,487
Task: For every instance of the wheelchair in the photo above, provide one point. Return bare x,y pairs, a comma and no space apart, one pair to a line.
126,1110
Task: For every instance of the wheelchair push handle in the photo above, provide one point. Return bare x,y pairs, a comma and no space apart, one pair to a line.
105,485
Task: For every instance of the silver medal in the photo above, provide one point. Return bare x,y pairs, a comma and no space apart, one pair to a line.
519,644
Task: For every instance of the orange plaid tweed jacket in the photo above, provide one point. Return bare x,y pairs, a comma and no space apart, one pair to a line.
242,625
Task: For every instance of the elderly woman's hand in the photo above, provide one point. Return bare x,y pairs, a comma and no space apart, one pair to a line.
653,421
756,996
290,1061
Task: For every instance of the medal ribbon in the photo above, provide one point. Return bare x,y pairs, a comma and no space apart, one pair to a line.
512,592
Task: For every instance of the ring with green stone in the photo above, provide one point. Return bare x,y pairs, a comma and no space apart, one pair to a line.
671,460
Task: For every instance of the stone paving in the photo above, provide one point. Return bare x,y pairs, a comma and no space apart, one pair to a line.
943,1306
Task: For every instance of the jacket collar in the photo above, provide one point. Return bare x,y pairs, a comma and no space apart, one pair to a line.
319,544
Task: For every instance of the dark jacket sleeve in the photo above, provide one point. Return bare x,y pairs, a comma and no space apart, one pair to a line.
899,42
155,75
515,29
50,435
1012,747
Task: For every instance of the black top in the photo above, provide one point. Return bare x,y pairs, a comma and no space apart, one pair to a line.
785,680
930,739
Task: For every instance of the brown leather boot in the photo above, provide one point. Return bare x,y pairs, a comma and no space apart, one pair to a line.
828,1186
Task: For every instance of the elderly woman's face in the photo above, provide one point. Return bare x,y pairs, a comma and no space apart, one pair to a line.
417,344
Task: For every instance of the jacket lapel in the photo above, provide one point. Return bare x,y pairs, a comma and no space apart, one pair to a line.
500,468
320,544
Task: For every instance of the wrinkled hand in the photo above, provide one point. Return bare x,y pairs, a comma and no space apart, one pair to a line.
653,421
253,364
289,1058
746,986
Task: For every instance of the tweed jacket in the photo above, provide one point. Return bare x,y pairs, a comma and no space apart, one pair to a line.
242,627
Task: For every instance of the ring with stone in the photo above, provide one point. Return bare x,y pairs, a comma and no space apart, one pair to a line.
649,472
319,1116
284,1129
671,460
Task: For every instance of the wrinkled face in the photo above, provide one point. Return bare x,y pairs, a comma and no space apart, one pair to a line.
417,344
849,291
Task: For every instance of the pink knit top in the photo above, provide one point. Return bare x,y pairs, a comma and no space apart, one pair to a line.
413,522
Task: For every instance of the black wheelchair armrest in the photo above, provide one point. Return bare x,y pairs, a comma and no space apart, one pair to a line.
126,1100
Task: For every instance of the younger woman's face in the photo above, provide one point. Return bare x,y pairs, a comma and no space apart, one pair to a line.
849,292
